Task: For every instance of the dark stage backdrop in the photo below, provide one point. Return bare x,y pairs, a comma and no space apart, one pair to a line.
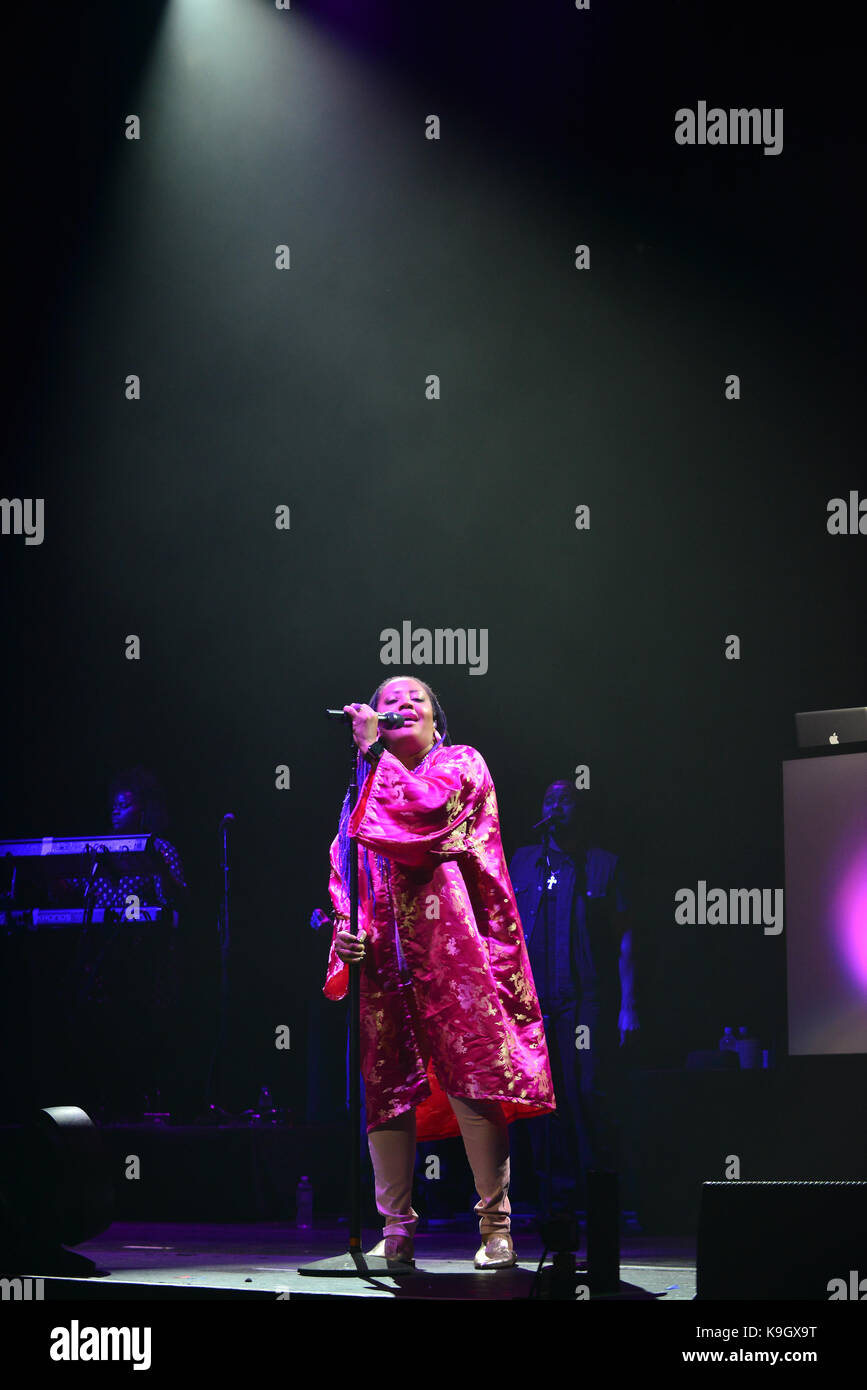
328,320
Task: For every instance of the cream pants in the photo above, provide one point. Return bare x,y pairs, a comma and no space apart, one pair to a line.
486,1139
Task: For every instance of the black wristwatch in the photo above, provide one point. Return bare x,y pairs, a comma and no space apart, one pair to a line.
375,751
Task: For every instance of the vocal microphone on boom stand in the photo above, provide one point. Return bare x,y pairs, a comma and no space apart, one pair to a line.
387,721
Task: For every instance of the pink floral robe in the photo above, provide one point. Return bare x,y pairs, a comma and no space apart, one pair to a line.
448,1003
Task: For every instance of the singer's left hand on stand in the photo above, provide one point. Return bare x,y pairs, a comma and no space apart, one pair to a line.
349,948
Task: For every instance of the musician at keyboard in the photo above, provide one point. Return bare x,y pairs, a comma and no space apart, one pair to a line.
137,807
130,975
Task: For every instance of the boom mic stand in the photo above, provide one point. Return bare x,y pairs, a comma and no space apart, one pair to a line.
559,1231
354,1263
214,1113
546,894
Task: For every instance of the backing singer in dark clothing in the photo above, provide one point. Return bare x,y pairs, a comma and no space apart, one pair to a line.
572,902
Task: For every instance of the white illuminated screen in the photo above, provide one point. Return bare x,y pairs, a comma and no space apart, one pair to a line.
825,821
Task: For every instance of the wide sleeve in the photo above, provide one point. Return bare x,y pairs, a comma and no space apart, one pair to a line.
337,971
422,819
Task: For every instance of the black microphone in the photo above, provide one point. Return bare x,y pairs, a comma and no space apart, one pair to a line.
227,818
548,820
388,721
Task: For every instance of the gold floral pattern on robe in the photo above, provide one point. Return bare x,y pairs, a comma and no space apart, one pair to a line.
448,1003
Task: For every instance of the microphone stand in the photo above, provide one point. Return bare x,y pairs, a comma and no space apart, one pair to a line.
545,826
546,922
354,1263
559,1232
214,1113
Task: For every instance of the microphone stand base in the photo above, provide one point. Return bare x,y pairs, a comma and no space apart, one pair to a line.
354,1264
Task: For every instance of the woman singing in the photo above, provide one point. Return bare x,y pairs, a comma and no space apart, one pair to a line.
451,1032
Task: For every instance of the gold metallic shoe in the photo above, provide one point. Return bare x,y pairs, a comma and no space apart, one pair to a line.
399,1251
497,1252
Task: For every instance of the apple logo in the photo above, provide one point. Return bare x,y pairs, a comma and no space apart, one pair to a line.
833,739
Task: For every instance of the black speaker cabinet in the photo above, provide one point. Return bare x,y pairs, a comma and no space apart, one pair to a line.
782,1240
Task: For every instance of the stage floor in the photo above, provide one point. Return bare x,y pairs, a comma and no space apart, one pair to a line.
259,1261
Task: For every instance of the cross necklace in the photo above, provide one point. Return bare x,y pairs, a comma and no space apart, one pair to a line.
552,880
